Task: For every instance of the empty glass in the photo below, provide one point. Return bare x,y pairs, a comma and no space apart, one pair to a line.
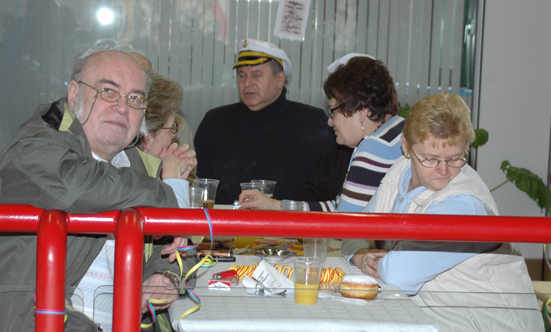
250,185
289,205
315,249
269,186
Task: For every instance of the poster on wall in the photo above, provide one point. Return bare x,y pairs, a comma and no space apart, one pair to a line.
291,20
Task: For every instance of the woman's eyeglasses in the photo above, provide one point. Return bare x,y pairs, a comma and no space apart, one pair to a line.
174,129
331,112
434,162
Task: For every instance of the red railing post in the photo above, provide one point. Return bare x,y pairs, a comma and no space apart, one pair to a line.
127,292
51,256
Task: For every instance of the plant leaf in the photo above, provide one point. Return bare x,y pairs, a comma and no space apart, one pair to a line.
403,110
480,137
528,182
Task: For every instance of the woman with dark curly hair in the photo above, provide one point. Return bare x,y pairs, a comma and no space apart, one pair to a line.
363,107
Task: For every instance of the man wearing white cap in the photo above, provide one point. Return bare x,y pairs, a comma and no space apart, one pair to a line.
363,107
264,136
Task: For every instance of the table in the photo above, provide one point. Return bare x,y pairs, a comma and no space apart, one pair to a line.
236,310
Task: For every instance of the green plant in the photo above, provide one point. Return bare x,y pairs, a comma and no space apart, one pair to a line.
528,182
403,110
522,178
480,137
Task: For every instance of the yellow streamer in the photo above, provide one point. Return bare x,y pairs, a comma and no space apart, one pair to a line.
206,261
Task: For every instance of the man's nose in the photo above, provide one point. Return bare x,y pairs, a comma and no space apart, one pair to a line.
330,122
121,105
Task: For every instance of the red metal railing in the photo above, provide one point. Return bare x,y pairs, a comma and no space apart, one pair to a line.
130,225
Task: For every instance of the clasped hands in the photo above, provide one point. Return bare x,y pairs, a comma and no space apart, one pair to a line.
178,161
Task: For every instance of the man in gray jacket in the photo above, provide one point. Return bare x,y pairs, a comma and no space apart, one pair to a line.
70,155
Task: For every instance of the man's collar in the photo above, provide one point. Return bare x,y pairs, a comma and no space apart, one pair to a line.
274,109
120,160
68,118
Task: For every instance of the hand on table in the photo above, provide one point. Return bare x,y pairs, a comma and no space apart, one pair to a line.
159,287
367,260
254,199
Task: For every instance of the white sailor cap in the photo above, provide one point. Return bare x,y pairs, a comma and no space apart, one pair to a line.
344,60
253,52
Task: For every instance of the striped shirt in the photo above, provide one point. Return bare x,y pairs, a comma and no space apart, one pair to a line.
371,160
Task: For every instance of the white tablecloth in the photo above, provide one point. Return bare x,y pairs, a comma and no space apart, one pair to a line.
236,310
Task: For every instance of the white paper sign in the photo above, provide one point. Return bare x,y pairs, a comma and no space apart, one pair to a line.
291,20
270,278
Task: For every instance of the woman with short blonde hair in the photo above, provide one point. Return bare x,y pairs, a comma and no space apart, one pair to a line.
463,286
443,116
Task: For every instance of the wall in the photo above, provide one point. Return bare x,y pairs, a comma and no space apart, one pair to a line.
196,43
514,104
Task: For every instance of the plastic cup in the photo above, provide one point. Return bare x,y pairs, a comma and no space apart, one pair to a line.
307,273
196,195
269,186
250,185
288,205
315,249
210,186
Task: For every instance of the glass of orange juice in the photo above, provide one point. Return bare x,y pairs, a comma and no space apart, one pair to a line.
307,273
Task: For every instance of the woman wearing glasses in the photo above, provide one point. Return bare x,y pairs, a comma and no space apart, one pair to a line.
433,178
363,107
165,98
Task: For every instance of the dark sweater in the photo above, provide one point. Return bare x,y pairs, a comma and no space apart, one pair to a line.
327,181
284,142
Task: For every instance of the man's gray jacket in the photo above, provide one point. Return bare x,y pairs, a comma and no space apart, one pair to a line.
49,164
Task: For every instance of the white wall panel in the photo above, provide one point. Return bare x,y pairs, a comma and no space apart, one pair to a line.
514,87
372,27
435,56
423,64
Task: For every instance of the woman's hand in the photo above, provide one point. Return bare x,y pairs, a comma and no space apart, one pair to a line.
367,260
254,199
178,162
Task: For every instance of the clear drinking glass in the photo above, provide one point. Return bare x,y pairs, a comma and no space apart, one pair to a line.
210,186
269,186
